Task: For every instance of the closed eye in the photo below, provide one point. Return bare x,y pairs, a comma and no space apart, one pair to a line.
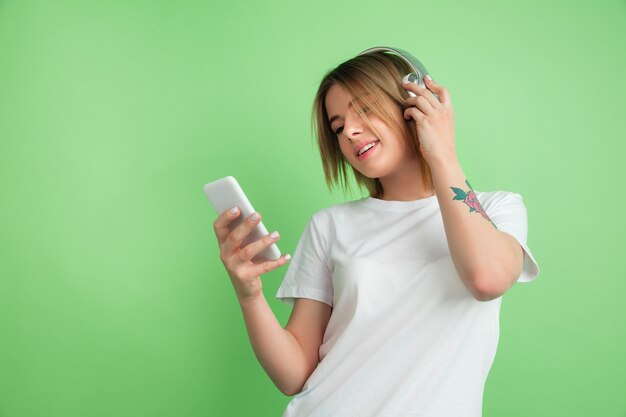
363,110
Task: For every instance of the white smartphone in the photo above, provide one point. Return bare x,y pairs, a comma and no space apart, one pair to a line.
225,194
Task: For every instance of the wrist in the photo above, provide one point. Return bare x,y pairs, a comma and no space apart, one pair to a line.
249,301
441,164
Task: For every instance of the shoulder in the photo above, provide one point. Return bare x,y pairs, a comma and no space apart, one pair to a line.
336,211
329,220
501,203
497,198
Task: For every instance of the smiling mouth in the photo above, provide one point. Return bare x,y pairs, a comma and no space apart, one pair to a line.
366,150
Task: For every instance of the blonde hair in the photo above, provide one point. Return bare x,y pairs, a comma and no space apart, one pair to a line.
375,80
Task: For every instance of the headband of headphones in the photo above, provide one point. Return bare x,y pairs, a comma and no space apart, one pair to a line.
418,67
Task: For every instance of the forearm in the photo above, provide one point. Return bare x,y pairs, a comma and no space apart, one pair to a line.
486,259
277,350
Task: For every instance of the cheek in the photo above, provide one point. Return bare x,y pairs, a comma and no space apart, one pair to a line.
346,149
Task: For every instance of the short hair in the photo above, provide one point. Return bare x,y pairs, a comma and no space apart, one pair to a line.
379,75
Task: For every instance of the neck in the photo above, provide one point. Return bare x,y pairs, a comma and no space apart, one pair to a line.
406,185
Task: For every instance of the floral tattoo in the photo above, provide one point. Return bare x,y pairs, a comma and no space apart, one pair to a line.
469,198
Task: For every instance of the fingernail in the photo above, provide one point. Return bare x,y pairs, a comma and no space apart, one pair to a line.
274,235
234,210
287,257
428,78
254,217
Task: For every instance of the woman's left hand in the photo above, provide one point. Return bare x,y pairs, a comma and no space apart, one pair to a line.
434,120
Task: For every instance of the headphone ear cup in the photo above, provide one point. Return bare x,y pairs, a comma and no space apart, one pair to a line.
410,78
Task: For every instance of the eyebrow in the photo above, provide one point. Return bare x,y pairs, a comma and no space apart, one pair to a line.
335,117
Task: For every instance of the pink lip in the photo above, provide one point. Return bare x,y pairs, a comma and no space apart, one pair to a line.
368,152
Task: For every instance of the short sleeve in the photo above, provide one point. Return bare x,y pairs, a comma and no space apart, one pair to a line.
508,213
309,274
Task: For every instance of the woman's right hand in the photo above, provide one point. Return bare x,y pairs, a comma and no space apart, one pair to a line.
244,274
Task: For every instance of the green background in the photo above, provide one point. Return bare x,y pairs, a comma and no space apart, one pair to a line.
113,114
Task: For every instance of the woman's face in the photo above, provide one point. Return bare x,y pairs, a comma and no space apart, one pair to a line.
375,155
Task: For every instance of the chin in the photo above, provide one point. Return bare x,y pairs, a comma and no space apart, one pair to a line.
371,174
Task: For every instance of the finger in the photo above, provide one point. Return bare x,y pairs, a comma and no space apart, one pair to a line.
236,237
220,225
265,267
414,113
254,248
421,103
441,91
422,92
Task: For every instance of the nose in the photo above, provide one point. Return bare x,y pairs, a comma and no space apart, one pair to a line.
353,125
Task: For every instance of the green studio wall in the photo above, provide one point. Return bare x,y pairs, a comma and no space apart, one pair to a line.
113,114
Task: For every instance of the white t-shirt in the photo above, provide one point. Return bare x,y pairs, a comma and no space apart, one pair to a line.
405,337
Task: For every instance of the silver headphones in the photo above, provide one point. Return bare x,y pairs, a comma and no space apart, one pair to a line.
419,69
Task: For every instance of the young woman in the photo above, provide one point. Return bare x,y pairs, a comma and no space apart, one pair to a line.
395,296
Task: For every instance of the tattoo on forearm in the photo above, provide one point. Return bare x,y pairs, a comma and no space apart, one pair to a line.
469,198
